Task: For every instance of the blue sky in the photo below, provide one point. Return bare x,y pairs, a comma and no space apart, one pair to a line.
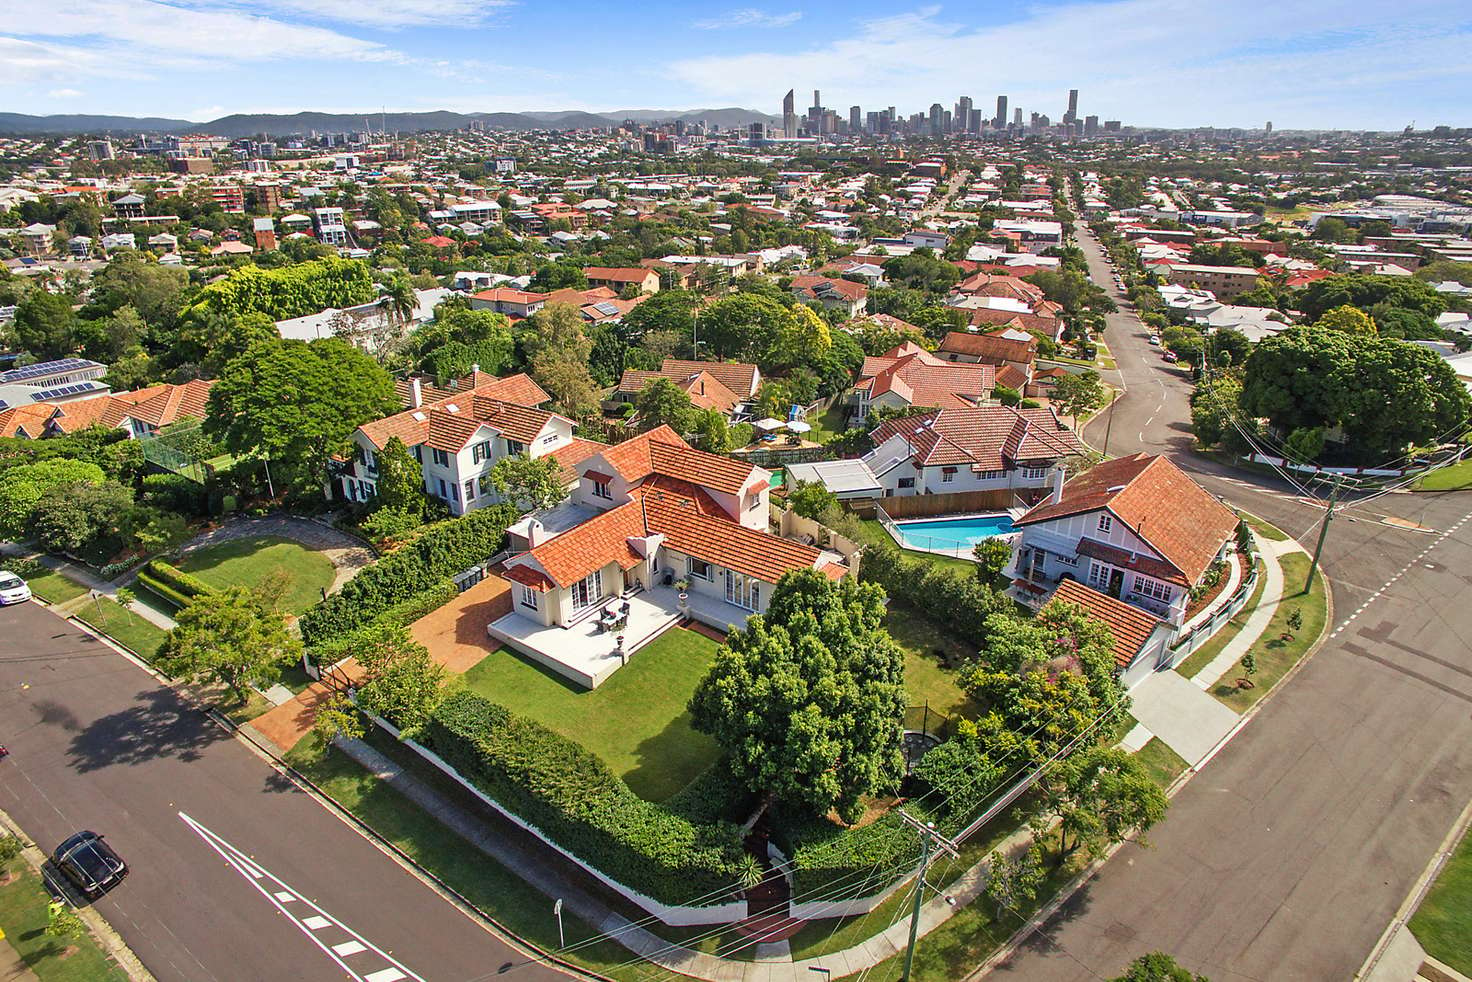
1299,63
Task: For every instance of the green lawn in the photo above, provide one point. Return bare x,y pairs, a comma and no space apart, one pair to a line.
927,680
1262,528
873,533
1163,763
636,721
247,562
123,626
23,903
1202,656
1453,478
828,425
54,588
1443,922
1275,655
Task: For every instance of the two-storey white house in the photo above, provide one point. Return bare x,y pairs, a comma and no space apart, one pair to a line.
665,532
978,448
458,438
1134,528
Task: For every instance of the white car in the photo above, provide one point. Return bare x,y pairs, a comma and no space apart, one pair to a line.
13,589
1155,339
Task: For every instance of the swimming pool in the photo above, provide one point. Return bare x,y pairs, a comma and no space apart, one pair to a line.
954,536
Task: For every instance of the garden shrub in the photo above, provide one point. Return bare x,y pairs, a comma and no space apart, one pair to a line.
415,567
569,794
175,578
945,596
162,589
175,493
401,614
832,862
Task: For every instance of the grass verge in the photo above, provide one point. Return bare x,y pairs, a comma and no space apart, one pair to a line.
123,626
1454,478
1443,922
54,588
1262,528
1163,763
1280,646
1202,656
23,903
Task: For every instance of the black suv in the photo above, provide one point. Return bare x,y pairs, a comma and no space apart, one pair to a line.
90,863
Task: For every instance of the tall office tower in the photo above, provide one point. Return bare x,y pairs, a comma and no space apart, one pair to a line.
1034,121
1091,126
1072,113
937,119
963,113
973,121
1001,118
789,115
1269,127
855,119
817,99
1017,118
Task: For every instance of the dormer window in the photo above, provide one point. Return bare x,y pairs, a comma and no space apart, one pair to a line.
602,490
1106,522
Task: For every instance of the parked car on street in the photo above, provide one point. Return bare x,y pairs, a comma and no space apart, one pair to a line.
1155,339
1172,356
13,589
90,863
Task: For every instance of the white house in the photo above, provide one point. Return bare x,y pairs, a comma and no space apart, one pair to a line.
977,448
1135,528
656,516
458,438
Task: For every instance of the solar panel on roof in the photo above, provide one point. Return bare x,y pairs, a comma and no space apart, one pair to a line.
605,308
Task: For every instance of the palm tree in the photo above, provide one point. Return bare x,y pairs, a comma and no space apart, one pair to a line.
398,300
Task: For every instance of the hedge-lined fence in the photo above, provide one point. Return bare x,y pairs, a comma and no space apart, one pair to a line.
414,569
172,583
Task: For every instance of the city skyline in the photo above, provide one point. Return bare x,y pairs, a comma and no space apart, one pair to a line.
198,59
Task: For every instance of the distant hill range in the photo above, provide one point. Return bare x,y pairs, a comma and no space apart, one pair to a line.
261,124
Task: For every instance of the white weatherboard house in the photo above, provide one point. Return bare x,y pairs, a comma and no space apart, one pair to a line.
978,448
1134,528
601,575
459,437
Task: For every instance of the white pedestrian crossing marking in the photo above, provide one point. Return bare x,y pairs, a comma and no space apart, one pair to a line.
280,893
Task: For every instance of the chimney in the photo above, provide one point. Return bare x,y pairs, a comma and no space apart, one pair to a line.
1057,493
416,393
533,533
475,369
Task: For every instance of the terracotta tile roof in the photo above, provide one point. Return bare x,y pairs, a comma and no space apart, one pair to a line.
504,294
27,420
814,287
1172,513
991,348
529,576
1130,626
618,274
987,284
570,455
690,528
661,451
739,377
986,438
157,405
705,390
601,540
435,423
921,379
1132,561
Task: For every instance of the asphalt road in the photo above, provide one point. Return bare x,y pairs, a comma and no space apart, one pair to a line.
96,743
1290,852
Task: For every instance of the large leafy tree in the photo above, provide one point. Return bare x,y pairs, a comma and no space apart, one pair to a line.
232,637
1365,291
1101,796
742,326
296,403
403,684
23,486
530,483
1349,319
1078,393
663,403
808,699
922,270
45,325
558,350
1157,966
70,517
1382,392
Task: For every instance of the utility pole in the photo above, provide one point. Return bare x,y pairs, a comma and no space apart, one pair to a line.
1109,423
930,840
1313,566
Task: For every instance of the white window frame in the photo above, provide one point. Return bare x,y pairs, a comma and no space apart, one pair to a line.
515,447
602,490
947,475
592,589
692,567
1099,574
470,489
1034,473
526,596
1106,522
1153,589
743,591
440,458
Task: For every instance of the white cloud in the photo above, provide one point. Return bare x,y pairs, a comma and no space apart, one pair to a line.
450,14
748,17
66,93
1167,62
139,31
205,114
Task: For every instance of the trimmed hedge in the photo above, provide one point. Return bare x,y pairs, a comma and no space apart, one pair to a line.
162,589
177,579
957,601
414,568
830,862
570,794
399,615
176,493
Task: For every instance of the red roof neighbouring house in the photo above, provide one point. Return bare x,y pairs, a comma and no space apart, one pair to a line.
1130,626
985,438
1177,517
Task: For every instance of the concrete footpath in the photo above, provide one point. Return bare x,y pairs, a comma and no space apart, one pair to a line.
1262,615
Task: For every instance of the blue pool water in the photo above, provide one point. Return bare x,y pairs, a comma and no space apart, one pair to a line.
955,535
